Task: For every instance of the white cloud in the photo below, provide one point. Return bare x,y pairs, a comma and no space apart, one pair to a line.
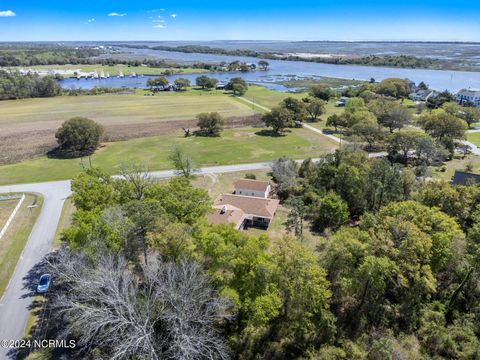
173,16
117,14
89,21
7,13
159,26
159,21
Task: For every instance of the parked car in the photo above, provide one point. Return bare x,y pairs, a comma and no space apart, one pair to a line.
44,283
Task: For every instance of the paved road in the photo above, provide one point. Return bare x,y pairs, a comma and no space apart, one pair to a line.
17,299
15,302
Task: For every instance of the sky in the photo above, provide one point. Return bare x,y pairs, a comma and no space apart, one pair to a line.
96,20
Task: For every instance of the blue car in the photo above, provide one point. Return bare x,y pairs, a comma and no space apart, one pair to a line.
44,283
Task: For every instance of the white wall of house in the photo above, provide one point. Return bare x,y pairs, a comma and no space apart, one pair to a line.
247,192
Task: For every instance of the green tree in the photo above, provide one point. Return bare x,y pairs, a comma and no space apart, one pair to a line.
79,136
210,124
157,83
296,107
337,121
278,119
397,88
443,127
329,211
296,215
315,108
263,64
321,92
182,162
182,83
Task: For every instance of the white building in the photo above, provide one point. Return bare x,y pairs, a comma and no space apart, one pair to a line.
256,188
471,95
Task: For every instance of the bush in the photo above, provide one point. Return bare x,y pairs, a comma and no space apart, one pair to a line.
210,124
79,136
250,176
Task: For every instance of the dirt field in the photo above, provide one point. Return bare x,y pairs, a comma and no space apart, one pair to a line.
27,127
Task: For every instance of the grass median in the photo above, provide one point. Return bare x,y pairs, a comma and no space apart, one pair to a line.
16,237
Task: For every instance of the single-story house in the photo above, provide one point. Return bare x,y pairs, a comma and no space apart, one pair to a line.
243,211
470,95
465,178
248,187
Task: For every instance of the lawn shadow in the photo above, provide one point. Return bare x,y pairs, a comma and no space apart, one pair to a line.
270,133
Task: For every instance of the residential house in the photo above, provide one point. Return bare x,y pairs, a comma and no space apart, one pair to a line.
422,95
243,211
256,188
465,178
470,95
342,102
248,206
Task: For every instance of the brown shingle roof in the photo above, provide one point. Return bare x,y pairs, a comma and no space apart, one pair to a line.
255,185
254,206
234,215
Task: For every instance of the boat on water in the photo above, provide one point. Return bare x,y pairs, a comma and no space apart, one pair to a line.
120,74
102,75
134,75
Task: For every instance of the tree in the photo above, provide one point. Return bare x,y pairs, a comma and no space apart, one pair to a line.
422,86
210,124
157,83
390,114
368,129
296,107
329,211
397,88
170,312
79,136
337,121
434,102
315,108
237,85
285,174
354,104
263,64
403,143
384,184
206,82
182,163
428,150
239,89
470,114
182,83
296,215
321,92
278,119
444,127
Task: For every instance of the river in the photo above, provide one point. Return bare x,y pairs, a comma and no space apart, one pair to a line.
281,70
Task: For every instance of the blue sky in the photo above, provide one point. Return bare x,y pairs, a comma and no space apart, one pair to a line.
239,20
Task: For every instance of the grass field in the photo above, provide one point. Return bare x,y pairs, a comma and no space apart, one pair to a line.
269,98
113,109
235,146
474,138
6,208
14,240
113,70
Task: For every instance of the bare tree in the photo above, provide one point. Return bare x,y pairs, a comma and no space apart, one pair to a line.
138,176
182,162
163,311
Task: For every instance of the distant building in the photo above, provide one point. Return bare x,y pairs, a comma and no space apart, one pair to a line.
422,95
470,95
256,188
465,178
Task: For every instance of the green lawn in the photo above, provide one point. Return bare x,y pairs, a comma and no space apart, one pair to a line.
6,208
268,98
474,138
14,240
113,70
235,146
113,109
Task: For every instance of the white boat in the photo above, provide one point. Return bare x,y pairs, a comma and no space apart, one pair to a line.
120,74
102,75
108,75
133,75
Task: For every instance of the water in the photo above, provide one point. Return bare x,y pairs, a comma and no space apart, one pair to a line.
279,69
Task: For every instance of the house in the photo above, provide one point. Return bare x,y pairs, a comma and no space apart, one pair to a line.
470,95
256,188
422,95
221,86
465,178
243,211
342,102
